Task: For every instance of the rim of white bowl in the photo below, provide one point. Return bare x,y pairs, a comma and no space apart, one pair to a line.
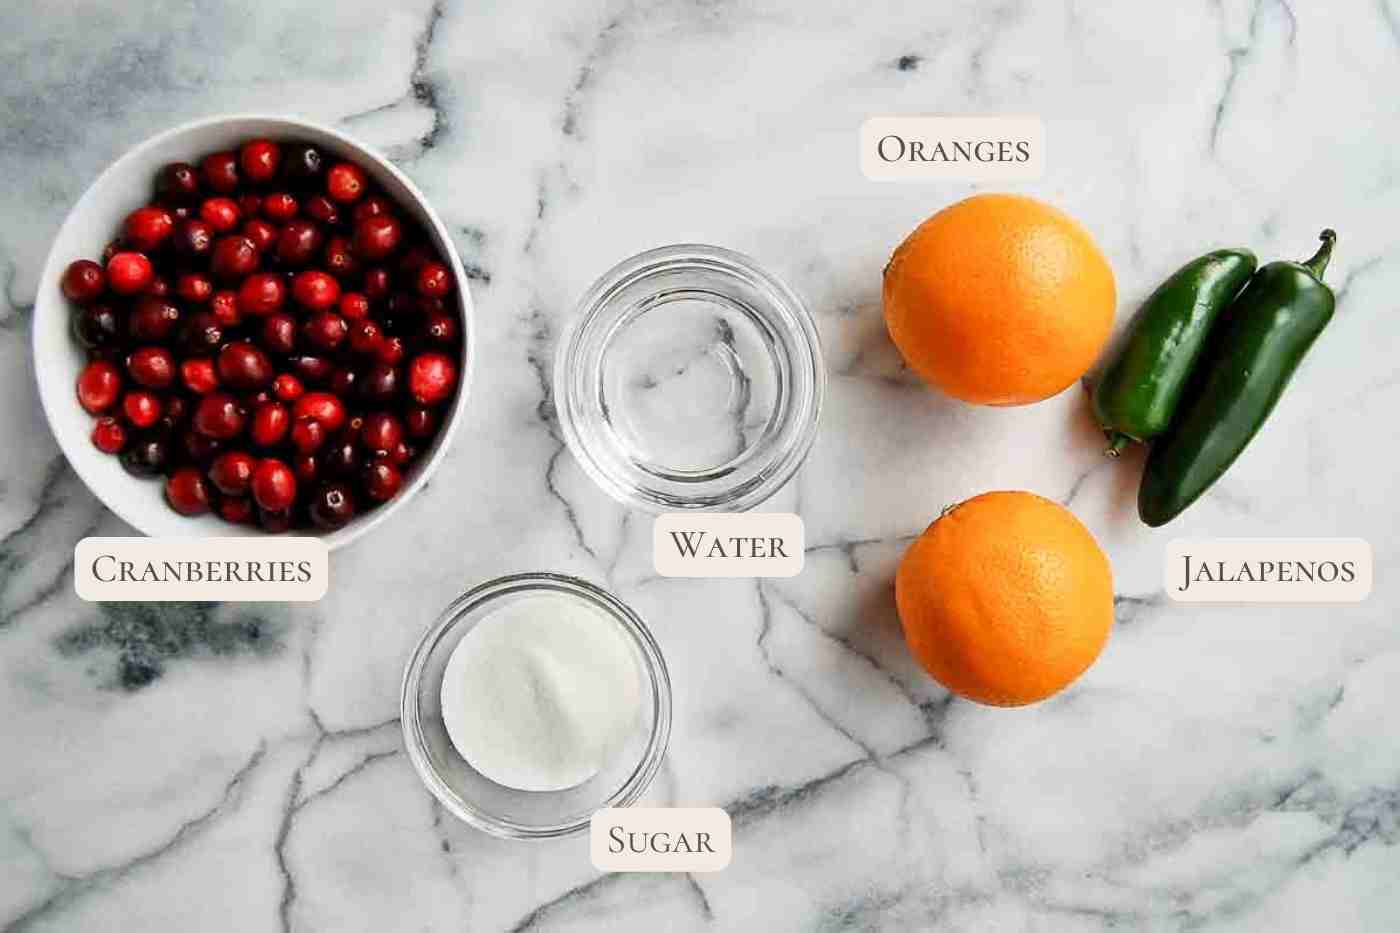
88,462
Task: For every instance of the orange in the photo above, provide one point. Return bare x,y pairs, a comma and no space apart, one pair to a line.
1005,599
999,300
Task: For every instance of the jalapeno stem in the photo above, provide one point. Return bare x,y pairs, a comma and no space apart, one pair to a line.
1318,263
1117,442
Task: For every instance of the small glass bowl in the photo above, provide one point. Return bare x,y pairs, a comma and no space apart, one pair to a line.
504,811
689,378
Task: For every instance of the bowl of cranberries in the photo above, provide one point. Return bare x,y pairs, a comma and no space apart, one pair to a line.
252,325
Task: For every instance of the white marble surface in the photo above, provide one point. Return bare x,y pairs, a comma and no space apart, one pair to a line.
239,767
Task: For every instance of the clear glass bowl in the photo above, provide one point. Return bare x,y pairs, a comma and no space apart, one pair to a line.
505,811
689,378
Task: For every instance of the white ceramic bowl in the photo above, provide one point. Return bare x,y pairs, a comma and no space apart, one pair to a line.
97,217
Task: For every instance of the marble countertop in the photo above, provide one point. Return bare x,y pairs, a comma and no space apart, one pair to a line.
239,767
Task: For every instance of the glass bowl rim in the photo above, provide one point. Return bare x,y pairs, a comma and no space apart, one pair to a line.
654,670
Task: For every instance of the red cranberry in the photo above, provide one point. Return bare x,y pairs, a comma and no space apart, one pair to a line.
152,367
342,458
431,378
221,214
108,435
96,326
372,206
377,236
194,288
303,163
345,182
391,351
340,261
380,383
323,407
402,453
308,434
83,281
332,506
236,511
198,448
259,159
279,206
434,279
224,306
233,257
146,228
218,416
146,455
313,369
413,259
177,182
220,171
193,238
353,306
274,485
98,386
199,375
129,273
298,242
287,387
159,287
243,366
440,329
202,334
315,290
263,234
365,336
141,408
187,492
261,294
306,467
324,329
376,282
279,333
321,208
381,479
343,381
274,523
232,472
270,424
174,410
381,431
256,399
419,421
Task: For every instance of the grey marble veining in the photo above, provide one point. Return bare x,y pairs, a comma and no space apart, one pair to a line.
226,767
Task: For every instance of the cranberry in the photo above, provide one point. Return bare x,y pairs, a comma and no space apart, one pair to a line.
306,466
391,351
146,228
96,326
303,164
434,279
233,257
152,367
298,242
413,259
372,206
353,306
315,290
340,260
279,333
382,431
323,407
194,288
431,378
259,159
110,250
287,387
141,408
193,238
365,336
198,448
129,273
319,207
152,320
343,381
332,506
324,329
345,182
440,329
261,294
255,399
243,366
270,424
274,485
279,206
377,236
159,287
381,382
231,473
199,375
419,421
343,457
187,492
381,479
177,182
402,453
236,511
218,416
220,171
376,282
308,435
203,333
98,386
174,410
263,234
224,306
314,369
146,455
108,435
275,522
221,214
83,281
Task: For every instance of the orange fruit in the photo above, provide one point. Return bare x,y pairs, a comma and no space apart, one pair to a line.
1005,599
999,300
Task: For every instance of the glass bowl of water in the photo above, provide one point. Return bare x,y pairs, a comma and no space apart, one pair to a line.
689,378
